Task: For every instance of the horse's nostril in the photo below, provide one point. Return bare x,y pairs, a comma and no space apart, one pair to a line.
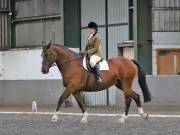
43,71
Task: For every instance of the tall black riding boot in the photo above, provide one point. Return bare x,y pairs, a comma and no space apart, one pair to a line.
97,72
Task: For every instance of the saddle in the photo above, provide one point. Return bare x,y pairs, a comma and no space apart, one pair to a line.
102,63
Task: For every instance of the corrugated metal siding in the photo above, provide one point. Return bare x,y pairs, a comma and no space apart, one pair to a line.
4,24
117,11
166,15
45,29
166,3
29,8
92,10
95,98
25,36
117,34
4,4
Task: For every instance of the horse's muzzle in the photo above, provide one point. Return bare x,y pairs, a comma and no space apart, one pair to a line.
45,71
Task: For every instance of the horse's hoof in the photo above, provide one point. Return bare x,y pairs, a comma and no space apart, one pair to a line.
84,121
54,118
54,121
122,120
145,116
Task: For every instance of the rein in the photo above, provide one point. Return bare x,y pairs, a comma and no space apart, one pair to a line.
65,62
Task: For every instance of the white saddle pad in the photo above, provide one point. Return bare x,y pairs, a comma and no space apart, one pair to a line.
103,64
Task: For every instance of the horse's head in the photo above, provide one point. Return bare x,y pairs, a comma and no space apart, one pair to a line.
48,58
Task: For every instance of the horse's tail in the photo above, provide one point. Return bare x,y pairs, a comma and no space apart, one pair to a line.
143,83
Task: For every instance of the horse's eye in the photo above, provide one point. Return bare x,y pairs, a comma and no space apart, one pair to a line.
44,55
51,53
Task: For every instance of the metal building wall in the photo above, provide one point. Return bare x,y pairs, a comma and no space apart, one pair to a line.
117,11
166,15
4,23
165,26
36,21
118,24
116,34
113,29
92,10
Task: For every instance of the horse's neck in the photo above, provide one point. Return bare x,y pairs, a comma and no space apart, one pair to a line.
64,58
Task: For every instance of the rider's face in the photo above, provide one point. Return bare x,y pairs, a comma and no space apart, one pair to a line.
91,30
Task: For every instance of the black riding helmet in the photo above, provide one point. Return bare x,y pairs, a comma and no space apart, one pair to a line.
93,25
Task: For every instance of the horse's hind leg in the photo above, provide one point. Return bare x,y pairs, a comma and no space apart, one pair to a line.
136,98
78,98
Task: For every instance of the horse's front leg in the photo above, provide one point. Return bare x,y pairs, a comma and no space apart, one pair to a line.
67,92
78,98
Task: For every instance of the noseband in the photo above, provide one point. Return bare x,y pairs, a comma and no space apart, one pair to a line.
52,65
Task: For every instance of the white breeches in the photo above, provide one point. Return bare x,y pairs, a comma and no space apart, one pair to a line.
94,59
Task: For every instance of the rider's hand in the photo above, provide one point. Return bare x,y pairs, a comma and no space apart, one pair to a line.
81,53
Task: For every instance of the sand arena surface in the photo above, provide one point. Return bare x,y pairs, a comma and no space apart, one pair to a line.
38,124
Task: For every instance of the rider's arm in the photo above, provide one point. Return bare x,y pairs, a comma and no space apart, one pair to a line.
85,49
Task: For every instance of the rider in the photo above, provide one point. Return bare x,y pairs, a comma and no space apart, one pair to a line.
93,49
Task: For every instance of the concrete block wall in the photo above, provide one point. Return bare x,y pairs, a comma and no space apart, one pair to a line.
22,82
164,89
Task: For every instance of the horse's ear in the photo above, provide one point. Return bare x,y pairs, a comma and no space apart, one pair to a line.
43,45
49,45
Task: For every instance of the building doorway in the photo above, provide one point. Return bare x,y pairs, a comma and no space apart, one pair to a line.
168,61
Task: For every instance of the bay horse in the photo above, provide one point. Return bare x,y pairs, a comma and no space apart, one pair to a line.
76,79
